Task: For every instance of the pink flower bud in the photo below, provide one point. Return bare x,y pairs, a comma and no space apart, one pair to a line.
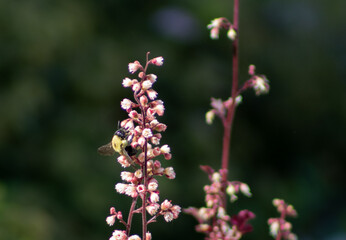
232,34
158,61
112,211
252,69
133,114
143,100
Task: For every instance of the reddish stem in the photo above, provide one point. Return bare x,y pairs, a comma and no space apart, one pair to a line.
228,121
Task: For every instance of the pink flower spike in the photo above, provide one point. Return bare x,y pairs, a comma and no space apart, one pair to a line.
158,61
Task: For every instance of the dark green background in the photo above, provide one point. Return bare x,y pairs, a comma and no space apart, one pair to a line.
61,67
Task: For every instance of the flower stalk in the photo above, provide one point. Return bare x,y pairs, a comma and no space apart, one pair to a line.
137,142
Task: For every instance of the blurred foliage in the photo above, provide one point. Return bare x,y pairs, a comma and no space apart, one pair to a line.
61,65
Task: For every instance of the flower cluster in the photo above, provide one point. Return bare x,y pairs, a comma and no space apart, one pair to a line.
213,220
145,133
219,23
279,227
258,82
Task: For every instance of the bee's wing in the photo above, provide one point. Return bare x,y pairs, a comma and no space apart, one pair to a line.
106,150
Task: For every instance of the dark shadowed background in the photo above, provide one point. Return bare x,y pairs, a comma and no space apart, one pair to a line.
61,67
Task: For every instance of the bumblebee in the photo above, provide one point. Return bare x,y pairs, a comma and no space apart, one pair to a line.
120,143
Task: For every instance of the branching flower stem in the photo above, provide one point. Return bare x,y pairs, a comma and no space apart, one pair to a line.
228,122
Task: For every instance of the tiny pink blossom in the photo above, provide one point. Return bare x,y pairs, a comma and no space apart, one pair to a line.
168,216
147,84
134,237
154,197
165,149
141,188
133,114
119,235
147,133
152,94
159,109
131,191
158,61
176,210
143,100
215,23
121,187
152,208
138,173
136,87
127,82
126,176
148,236
232,34
214,33
112,211
252,69
169,172
111,220
126,104
153,184
133,67
165,205
152,77
209,116
123,161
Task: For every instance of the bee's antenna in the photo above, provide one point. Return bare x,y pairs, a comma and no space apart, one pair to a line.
118,124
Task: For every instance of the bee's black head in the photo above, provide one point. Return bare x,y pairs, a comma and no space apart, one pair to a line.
121,132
